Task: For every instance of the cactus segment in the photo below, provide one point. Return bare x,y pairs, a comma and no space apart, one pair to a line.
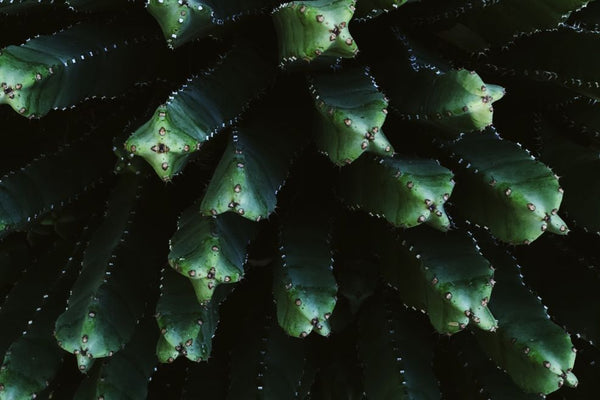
517,197
187,327
397,352
445,275
483,378
33,359
527,57
465,27
308,29
202,107
126,374
579,169
11,7
254,166
182,21
49,182
405,191
107,297
268,364
210,250
456,101
351,114
303,285
536,353
366,9
54,71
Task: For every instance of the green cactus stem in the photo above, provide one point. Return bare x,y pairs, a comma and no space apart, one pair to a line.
443,274
303,285
517,198
126,374
309,29
397,351
405,191
55,71
107,297
210,251
202,107
352,112
186,326
182,21
537,354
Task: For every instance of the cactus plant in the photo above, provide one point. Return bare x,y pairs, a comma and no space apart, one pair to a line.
199,199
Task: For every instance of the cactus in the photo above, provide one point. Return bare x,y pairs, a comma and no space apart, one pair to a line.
201,200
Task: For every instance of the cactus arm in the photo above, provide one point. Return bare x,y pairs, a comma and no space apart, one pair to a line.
202,107
303,285
465,27
53,71
513,185
49,182
443,274
397,352
185,325
210,250
109,295
351,113
405,191
255,164
126,374
536,353
313,29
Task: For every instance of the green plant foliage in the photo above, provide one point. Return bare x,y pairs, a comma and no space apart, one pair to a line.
191,188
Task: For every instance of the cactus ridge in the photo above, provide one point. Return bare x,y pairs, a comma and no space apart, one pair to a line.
526,190
454,291
367,9
405,191
352,112
12,7
536,353
199,109
210,250
312,29
303,283
53,71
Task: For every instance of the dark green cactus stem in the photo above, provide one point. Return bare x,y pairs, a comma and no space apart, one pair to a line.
33,359
366,9
405,191
579,170
11,7
396,348
310,29
210,251
455,101
303,285
126,374
536,353
50,182
201,108
182,21
55,71
484,381
108,296
267,364
528,58
187,327
352,112
465,26
255,163
517,198
443,274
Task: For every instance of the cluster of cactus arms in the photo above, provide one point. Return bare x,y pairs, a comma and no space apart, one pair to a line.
315,199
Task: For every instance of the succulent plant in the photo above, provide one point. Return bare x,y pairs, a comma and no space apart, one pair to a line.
199,199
